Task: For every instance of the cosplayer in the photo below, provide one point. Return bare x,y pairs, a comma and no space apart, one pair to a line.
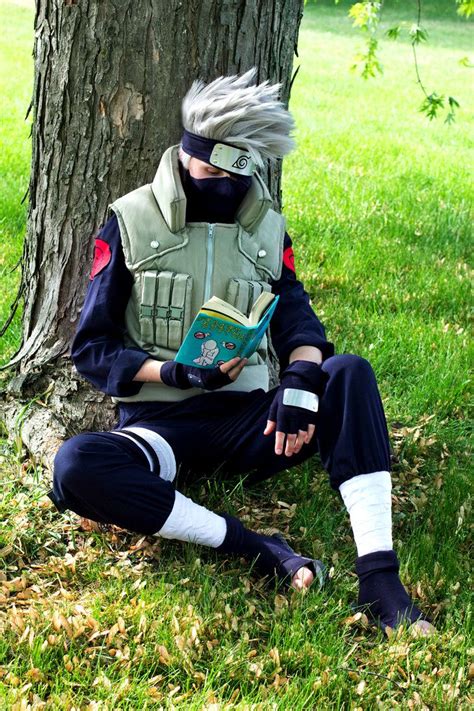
204,227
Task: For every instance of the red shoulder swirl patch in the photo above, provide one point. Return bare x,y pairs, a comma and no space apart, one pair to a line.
102,256
289,258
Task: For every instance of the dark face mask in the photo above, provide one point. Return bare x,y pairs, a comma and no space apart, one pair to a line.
214,199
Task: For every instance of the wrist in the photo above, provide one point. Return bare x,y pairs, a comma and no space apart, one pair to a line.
309,353
305,375
174,375
149,372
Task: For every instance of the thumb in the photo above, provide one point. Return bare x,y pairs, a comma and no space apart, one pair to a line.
270,427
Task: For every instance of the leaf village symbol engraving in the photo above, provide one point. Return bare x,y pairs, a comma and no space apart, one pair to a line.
241,162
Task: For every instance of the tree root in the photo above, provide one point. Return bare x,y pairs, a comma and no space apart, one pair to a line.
44,407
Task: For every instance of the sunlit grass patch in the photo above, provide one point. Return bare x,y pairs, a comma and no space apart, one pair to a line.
16,89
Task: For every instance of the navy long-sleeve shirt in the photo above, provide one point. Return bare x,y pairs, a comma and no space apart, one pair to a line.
98,349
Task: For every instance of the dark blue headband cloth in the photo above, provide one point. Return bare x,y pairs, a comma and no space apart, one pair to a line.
198,146
225,156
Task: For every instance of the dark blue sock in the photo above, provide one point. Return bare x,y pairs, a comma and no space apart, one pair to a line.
381,590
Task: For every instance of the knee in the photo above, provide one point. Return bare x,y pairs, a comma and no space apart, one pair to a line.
70,464
349,364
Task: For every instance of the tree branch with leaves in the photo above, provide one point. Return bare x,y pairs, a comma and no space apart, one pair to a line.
366,16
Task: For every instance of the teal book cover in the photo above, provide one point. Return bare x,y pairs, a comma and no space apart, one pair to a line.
214,338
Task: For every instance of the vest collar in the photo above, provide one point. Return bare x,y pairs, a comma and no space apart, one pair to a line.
171,199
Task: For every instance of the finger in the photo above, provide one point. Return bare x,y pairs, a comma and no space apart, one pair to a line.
279,442
310,433
270,427
236,371
290,444
300,440
225,367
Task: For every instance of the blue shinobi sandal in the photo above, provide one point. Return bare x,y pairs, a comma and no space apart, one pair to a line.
272,554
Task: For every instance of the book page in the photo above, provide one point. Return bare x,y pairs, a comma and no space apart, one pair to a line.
219,306
259,307
220,315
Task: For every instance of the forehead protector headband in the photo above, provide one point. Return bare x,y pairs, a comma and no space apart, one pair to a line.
219,154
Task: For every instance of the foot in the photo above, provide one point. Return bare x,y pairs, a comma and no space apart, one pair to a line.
272,555
281,561
422,628
382,594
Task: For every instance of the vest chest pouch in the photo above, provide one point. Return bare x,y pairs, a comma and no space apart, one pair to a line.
242,293
164,308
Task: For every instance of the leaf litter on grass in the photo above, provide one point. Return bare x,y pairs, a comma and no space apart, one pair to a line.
100,620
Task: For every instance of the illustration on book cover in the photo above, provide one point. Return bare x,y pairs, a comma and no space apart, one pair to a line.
210,350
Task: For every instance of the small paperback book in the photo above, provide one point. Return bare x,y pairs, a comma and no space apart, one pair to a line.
221,332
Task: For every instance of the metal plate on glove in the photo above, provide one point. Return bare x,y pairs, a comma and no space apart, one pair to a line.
301,398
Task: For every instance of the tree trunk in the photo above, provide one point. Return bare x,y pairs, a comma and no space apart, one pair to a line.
109,79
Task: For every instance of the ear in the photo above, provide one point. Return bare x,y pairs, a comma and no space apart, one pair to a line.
184,158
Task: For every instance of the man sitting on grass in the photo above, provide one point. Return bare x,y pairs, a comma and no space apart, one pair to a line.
205,226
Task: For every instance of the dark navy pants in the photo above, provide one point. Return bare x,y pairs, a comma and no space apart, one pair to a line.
104,477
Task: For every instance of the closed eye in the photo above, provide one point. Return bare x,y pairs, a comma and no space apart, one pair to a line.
216,173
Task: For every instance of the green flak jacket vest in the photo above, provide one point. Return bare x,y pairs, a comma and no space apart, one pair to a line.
177,266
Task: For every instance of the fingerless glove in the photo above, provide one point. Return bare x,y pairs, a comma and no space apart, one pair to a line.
294,406
177,375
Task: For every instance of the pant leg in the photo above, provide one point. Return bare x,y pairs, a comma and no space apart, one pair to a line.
217,433
106,478
351,432
249,450
224,431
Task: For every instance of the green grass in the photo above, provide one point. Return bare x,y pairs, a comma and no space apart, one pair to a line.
16,88
377,200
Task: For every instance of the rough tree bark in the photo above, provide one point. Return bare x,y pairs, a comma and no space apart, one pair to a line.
109,79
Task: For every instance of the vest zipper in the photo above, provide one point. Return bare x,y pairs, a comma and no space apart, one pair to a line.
210,263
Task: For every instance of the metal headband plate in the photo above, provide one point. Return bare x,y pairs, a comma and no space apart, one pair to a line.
233,160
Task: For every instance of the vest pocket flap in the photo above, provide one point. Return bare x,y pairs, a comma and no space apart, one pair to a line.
180,309
165,283
242,293
165,308
147,307
181,286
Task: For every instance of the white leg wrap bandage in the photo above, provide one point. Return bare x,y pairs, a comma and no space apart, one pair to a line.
368,500
160,446
193,523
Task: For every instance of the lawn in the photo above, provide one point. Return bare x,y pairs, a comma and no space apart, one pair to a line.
378,202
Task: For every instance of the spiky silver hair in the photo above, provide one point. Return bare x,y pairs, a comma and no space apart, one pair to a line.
247,115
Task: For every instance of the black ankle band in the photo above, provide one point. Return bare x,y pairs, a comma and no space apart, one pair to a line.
233,541
380,560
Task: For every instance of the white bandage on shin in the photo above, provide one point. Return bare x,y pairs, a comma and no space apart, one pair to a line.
193,523
369,502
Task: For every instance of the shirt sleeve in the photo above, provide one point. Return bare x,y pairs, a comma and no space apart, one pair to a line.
294,322
98,349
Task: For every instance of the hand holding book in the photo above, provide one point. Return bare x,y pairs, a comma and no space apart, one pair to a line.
182,376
